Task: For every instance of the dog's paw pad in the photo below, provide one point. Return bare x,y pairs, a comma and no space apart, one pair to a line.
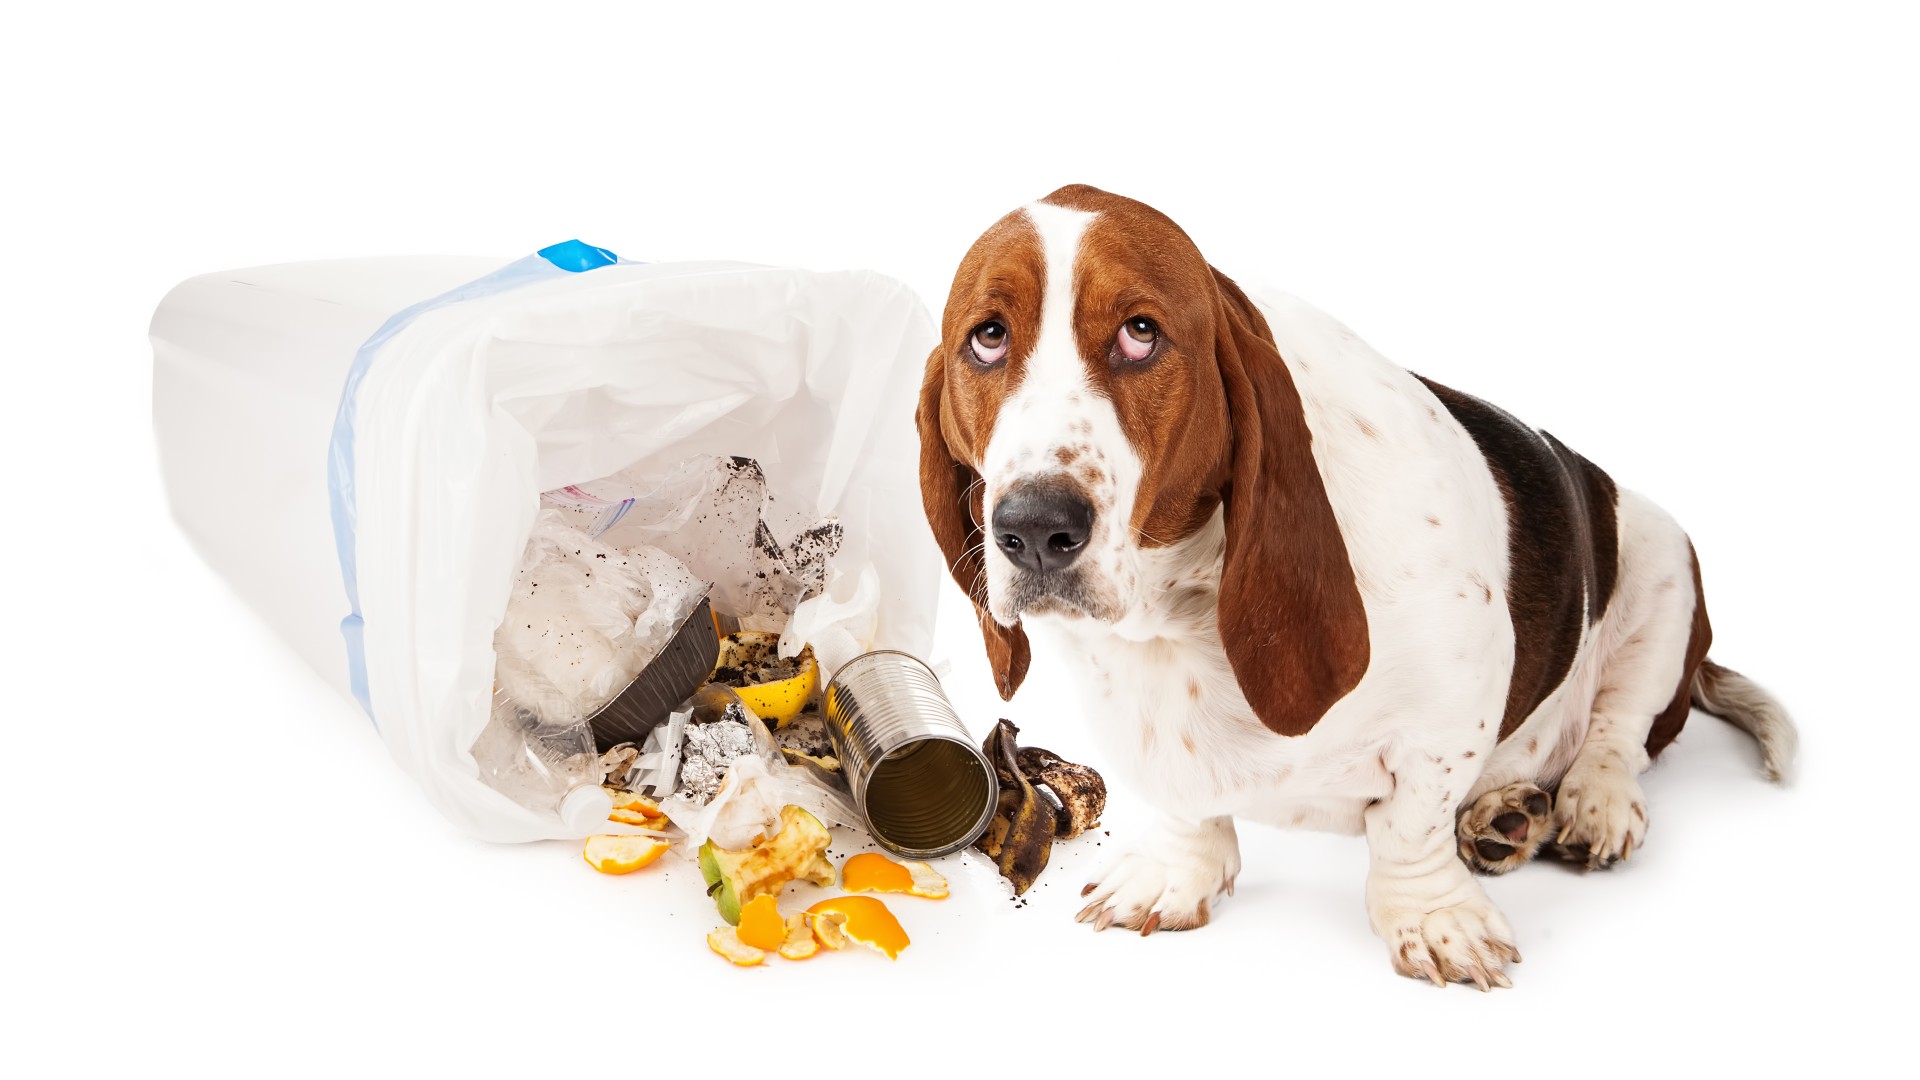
1503,829
1600,816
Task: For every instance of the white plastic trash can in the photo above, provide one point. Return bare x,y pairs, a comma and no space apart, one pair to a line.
454,391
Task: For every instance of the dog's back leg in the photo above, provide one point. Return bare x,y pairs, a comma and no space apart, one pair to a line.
1653,637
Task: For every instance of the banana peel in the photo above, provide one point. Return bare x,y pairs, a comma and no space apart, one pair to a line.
1021,836
1079,793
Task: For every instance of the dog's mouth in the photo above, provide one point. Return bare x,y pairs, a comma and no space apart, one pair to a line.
1066,593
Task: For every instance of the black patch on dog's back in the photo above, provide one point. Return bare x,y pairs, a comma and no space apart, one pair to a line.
1562,543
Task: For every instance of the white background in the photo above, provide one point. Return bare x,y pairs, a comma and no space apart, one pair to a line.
1683,239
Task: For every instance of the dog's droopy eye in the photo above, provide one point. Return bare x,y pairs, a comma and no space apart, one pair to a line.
1136,338
990,342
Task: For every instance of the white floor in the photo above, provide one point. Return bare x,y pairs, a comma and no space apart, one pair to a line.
272,888
1680,237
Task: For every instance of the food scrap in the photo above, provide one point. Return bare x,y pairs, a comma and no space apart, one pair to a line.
632,809
862,919
826,926
1042,798
806,741
872,872
776,688
727,943
1080,793
797,851
760,923
800,943
621,854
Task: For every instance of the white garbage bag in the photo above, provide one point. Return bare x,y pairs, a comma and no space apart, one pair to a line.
498,384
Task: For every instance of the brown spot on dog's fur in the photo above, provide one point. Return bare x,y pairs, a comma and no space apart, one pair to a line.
1365,428
1433,521
1193,689
1186,740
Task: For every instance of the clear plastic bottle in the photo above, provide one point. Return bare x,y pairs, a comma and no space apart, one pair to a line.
546,766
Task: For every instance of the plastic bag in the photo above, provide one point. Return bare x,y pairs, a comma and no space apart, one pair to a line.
464,415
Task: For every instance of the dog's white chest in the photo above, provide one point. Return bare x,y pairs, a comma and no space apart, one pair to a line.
1161,697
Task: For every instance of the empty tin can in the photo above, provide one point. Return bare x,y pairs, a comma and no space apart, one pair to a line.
917,778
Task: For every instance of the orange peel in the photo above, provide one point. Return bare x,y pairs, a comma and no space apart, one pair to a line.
801,942
728,944
826,928
621,854
866,920
760,923
872,872
635,803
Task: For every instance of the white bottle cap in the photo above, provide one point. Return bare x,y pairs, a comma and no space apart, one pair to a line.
585,809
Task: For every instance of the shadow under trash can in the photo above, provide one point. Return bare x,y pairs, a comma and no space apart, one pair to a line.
363,448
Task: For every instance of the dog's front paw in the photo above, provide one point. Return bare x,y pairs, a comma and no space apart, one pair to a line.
1168,882
1600,812
1504,827
1463,942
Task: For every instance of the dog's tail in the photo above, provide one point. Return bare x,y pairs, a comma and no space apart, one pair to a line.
1731,696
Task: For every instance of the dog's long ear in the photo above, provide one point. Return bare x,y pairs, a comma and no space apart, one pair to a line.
1290,612
953,497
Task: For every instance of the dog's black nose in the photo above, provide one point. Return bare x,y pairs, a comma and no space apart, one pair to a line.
1042,528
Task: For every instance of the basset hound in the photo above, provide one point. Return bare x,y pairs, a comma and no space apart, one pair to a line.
1301,585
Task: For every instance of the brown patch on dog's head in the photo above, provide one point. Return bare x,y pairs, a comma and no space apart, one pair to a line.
1135,263
1001,279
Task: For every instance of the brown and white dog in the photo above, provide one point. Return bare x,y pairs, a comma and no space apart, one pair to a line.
1303,585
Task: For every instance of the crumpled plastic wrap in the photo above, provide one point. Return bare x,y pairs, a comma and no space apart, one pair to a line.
584,618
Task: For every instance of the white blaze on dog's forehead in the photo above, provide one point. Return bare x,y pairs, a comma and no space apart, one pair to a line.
1054,362
1053,382
1060,232
1057,422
